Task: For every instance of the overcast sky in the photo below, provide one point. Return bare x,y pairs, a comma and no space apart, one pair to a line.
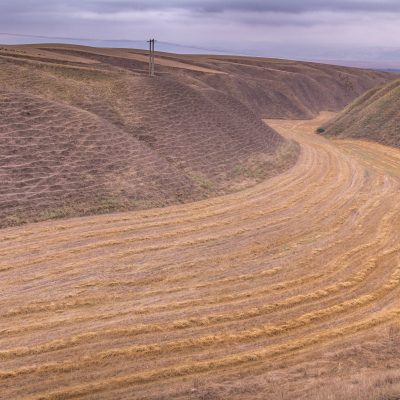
318,29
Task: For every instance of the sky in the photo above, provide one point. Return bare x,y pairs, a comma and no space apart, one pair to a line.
347,30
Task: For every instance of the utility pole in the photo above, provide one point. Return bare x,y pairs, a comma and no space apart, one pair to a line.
151,56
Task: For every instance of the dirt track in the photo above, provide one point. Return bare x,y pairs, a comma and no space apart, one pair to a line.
218,293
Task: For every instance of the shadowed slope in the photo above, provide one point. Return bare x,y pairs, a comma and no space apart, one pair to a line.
289,89
106,137
374,116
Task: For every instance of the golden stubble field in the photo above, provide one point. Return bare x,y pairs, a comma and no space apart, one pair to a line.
289,289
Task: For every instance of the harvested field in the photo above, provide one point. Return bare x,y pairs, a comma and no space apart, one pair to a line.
285,290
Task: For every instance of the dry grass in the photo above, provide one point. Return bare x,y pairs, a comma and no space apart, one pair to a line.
286,290
374,116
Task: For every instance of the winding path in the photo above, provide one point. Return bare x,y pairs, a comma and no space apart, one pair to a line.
139,305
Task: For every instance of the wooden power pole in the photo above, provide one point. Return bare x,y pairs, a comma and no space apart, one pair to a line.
151,57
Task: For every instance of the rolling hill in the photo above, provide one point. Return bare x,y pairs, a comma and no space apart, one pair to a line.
374,116
286,289
86,131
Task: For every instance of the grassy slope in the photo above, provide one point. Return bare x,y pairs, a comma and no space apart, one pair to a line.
374,116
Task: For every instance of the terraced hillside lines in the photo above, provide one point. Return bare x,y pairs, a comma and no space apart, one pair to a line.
85,131
145,304
79,156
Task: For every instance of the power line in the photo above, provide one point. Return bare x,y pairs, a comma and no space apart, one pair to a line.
194,47
68,38
110,41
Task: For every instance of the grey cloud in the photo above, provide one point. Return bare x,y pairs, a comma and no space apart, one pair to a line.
288,28
215,6
205,6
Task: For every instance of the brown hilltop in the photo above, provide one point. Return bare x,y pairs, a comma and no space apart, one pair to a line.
85,130
374,116
291,89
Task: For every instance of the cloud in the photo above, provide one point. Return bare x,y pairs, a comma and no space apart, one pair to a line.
205,6
269,6
282,28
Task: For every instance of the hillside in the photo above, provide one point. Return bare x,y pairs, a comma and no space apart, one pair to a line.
374,116
86,131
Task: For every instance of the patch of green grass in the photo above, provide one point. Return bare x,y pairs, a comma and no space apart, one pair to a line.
202,181
14,220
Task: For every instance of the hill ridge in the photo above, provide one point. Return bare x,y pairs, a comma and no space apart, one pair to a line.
192,132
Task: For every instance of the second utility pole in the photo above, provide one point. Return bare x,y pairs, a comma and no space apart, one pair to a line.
151,57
